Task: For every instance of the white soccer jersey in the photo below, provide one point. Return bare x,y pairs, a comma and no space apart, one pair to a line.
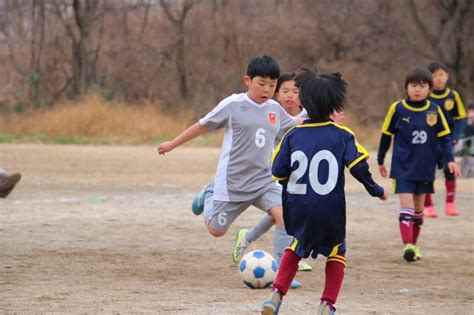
244,170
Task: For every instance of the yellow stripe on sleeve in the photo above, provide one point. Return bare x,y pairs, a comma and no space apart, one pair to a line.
446,130
460,105
388,119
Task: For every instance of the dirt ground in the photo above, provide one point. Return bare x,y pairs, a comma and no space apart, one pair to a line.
93,229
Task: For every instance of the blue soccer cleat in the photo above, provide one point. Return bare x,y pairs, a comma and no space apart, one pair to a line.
198,202
295,284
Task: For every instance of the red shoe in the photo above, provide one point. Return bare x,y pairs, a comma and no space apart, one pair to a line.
430,212
450,209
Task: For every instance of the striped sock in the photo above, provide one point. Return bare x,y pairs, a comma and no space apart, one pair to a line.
334,275
417,222
406,225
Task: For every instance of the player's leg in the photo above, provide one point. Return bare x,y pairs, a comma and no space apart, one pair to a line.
406,191
8,182
246,237
222,214
429,209
270,201
417,223
286,273
335,265
450,183
199,200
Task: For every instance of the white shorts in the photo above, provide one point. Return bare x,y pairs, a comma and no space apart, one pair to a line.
221,214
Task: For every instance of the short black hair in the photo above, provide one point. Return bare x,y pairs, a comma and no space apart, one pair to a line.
263,66
285,77
321,93
434,66
419,75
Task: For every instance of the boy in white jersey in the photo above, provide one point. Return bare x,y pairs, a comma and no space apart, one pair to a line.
252,121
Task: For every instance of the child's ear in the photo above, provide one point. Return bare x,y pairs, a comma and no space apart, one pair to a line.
247,80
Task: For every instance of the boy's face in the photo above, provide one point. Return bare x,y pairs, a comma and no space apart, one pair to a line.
440,78
288,94
260,89
418,91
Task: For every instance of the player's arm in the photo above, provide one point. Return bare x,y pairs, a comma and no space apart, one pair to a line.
386,138
281,160
361,172
459,118
192,132
385,141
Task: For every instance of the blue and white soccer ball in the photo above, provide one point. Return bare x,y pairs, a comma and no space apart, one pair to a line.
258,269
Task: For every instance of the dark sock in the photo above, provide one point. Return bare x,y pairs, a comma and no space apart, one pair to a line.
450,190
417,222
286,272
428,200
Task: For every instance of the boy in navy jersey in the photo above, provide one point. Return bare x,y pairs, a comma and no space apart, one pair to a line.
453,109
311,172
418,126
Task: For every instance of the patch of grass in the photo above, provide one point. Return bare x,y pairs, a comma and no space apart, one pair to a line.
6,138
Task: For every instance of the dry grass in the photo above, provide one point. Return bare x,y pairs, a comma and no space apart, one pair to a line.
94,120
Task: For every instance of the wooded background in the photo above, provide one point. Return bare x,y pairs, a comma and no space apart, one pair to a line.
189,54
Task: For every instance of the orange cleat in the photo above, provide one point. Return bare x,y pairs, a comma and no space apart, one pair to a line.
451,209
430,212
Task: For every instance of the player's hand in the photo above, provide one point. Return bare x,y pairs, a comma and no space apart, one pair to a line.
454,168
383,171
385,195
165,147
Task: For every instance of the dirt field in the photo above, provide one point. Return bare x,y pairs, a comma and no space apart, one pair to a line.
109,229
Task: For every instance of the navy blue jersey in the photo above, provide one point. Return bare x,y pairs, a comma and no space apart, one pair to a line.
416,131
309,163
451,104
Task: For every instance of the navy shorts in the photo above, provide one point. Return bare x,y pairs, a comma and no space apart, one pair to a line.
412,187
328,251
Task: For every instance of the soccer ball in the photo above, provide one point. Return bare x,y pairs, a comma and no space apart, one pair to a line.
258,269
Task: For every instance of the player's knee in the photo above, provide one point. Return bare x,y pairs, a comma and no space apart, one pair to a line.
215,233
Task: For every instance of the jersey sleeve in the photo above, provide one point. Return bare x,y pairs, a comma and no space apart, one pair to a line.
218,117
286,120
354,152
442,124
388,127
460,111
281,160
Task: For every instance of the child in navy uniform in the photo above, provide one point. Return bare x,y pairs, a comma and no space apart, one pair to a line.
418,126
455,114
311,171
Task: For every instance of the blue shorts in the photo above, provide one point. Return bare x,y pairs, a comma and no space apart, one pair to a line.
412,187
328,251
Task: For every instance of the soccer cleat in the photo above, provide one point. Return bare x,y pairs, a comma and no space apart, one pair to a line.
241,245
198,201
430,212
325,309
7,183
302,266
409,253
451,209
272,305
418,255
295,284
